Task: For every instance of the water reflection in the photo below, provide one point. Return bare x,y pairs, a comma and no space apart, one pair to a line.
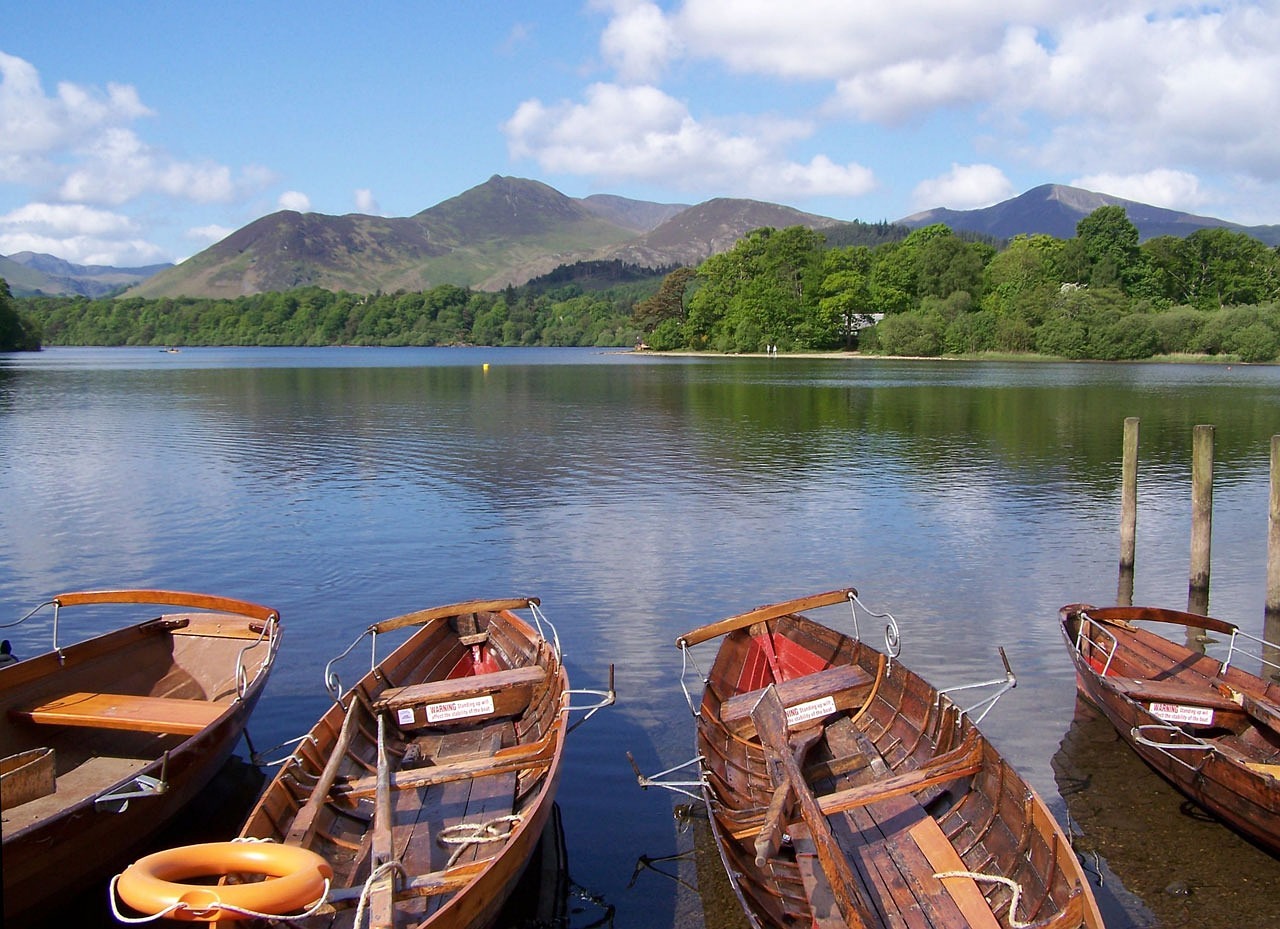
638,497
1165,861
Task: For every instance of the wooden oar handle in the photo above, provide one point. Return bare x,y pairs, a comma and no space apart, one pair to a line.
760,614
456,609
168,598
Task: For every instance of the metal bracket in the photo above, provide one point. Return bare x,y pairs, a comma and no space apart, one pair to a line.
679,787
608,698
1006,684
117,803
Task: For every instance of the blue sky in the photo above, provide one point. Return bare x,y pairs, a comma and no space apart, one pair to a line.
142,132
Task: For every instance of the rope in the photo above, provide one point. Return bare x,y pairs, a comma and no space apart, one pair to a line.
464,835
1014,922
227,907
367,889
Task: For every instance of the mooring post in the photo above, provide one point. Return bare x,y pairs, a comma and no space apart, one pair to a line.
1128,511
1273,535
1201,518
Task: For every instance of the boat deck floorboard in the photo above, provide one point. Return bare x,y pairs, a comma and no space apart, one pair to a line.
83,781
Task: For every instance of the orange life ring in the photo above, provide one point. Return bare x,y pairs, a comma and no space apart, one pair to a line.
295,880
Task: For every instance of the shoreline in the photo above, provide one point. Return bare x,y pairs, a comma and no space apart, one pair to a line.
1028,358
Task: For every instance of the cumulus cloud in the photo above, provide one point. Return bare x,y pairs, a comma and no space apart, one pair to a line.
1097,88
638,41
964,187
641,133
33,124
207,235
1175,190
81,145
294,200
366,202
77,233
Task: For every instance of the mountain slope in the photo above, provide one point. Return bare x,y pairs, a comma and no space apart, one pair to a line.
464,240
1055,209
31,273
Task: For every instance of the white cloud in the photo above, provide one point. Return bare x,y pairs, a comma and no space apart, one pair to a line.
76,233
33,124
294,200
80,146
366,202
1097,86
641,133
638,41
964,187
1175,190
66,218
207,235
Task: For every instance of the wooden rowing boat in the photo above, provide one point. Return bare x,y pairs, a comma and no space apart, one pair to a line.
115,734
1207,726
425,787
844,790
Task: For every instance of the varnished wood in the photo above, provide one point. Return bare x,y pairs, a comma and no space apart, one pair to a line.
125,711
1232,774
771,723
847,687
898,785
394,797
191,601
165,696
763,614
422,617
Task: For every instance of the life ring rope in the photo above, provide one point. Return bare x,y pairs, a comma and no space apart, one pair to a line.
152,885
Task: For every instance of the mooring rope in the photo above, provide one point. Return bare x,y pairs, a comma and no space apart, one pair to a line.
1014,886
464,835
367,889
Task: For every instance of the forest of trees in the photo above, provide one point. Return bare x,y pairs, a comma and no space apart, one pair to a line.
18,333
929,292
1098,295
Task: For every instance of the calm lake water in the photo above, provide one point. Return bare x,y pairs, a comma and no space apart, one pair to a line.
639,497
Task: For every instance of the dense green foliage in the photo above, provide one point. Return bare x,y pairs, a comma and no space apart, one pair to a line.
444,315
927,292
1099,295
17,333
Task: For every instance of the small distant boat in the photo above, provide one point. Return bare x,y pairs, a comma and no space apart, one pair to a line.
1208,727
108,739
844,790
417,799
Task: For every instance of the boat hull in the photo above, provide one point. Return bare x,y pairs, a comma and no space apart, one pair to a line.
1217,776
57,845
903,788
498,763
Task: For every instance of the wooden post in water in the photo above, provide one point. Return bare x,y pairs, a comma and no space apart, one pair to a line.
1128,511
1271,615
1273,536
1201,518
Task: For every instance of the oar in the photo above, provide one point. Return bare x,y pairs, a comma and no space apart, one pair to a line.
304,823
382,908
770,838
770,718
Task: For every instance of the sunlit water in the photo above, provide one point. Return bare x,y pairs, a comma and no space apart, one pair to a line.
638,497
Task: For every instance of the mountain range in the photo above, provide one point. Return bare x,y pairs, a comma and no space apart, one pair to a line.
508,231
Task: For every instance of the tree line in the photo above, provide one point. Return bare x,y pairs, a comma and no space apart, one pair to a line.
933,292
927,292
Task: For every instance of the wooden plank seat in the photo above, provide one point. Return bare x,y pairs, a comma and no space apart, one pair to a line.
502,761
1149,691
813,696
125,711
462,699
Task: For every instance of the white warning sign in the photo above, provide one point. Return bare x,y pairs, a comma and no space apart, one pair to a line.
460,709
